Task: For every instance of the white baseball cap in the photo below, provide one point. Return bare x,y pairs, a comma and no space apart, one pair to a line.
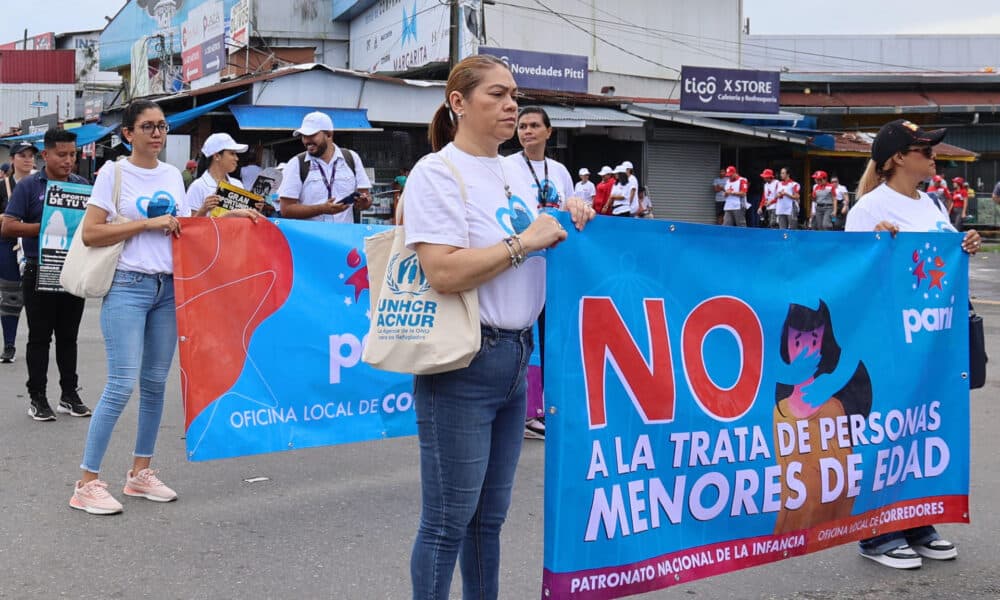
584,171
313,123
217,142
620,169
627,165
605,170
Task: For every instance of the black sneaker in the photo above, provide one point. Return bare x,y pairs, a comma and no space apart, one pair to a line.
70,404
39,408
8,354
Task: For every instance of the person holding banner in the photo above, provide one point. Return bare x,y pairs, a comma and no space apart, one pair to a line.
49,313
902,156
11,298
220,156
137,315
470,421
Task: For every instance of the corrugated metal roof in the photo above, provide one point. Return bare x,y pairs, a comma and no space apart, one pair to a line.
38,66
888,102
597,116
861,143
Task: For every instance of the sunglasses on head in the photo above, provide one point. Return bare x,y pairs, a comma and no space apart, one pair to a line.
927,151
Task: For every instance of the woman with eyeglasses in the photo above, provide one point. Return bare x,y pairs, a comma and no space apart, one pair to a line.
137,315
889,200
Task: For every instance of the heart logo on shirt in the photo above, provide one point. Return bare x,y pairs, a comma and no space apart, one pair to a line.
161,203
515,217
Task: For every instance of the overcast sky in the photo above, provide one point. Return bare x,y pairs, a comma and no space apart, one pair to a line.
766,16
872,16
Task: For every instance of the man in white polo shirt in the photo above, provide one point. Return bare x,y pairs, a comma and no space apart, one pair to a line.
584,188
318,184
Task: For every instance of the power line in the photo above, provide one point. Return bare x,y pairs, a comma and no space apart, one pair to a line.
599,38
716,43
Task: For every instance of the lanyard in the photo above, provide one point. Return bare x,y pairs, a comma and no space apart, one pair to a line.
328,182
543,193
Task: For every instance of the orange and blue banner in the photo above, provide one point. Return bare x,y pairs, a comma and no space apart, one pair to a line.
271,318
723,398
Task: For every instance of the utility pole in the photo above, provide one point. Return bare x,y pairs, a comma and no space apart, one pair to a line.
453,41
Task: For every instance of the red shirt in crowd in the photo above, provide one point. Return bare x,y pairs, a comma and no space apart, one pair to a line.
958,197
602,194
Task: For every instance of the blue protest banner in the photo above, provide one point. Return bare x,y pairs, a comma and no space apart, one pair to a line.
722,398
271,318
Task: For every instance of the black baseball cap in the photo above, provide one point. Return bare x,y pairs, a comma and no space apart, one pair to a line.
21,147
899,135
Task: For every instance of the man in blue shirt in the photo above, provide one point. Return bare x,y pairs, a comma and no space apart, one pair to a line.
48,313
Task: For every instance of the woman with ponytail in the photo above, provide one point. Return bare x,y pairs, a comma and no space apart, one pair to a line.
220,156
888,200
470,421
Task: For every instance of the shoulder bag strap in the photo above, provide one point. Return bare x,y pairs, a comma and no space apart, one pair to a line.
455,173
116,194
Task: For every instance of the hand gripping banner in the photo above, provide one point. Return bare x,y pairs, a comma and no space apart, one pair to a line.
723,398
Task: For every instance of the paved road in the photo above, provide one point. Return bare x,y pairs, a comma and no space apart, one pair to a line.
338,522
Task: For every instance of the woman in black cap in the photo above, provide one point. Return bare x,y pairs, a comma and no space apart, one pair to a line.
903,157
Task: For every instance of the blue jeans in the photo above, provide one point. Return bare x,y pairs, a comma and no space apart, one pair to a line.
470,423
916,536
140,334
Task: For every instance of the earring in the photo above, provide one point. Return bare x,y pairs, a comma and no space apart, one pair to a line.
460,115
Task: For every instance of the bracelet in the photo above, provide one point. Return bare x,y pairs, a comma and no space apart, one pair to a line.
516,258
520,246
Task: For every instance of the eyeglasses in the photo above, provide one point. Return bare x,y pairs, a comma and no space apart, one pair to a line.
927,151
148,127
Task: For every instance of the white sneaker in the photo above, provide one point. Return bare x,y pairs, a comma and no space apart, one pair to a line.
937,550
898,558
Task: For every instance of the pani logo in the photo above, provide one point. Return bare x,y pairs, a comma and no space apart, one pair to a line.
930,281
704,89
404,276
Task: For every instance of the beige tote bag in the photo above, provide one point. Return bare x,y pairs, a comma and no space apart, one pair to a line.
415,329
89,270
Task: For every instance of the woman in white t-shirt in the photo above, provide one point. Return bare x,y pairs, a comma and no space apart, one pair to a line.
470,421
551,181
220,156
137,315
620,205
902,157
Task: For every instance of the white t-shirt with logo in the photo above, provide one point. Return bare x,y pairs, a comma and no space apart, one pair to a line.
733,187
560,184
203,187
586,191
909,214
314,190
771,194
145,193
786,202
433,213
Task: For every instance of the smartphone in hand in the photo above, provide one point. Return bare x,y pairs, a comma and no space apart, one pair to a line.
348,199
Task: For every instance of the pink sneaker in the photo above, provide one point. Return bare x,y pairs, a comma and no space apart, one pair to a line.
93,497
147,485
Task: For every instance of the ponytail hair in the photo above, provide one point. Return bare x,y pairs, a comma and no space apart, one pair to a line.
463,79
203,163
872,177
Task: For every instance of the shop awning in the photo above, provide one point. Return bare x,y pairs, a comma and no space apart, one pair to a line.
569,117
184,117
289,118
683,118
